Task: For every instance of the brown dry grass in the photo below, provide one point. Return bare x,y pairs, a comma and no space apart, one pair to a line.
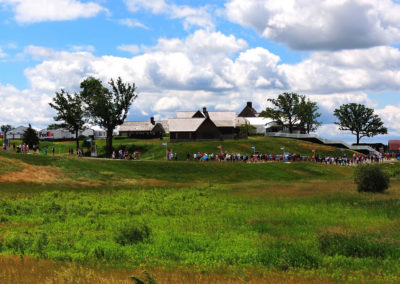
14,269
27,173
297,189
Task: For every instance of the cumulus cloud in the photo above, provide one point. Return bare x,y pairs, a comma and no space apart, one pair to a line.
320,25
2,53
34,11
218,71
23,106
131,48
374,69
132,23
191,16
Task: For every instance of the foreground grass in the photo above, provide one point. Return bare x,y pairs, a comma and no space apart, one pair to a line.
234,222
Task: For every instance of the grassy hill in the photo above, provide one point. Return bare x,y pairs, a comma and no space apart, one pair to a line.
87,220
153,149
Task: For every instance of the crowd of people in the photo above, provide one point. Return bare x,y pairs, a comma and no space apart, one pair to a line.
343,160
125,155
256,157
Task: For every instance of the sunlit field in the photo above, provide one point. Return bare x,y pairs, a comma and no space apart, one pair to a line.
70,220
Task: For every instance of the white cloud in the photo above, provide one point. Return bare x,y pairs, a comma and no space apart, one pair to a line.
132,23
320,25
156,6
191,16
23,107
218,71
89,48
34,11
374,69
131,48
2,53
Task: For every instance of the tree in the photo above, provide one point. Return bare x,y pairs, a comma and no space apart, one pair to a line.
291,109
5,129
285,110
108,108
56,126
30,137
308,115
360,120
70,110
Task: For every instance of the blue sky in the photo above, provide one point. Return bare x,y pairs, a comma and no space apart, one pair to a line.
183,55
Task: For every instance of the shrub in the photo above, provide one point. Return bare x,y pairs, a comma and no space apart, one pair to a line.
355,246
132,233
370,178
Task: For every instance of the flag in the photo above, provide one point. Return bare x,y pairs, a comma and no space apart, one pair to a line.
253,147
219,147
164,144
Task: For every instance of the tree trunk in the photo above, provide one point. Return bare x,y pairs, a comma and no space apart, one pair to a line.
77,138
358,138
109,147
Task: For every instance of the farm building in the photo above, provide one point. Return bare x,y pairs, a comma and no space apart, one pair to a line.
225,121
142,129
248,111
202,125
193,129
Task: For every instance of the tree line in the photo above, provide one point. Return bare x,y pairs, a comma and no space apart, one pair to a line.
108,108
295,111
96,104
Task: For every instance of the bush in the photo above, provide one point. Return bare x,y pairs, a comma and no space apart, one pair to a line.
355,246
370,178
132,233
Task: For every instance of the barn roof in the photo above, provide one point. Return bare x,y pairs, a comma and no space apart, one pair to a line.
184,124
136,126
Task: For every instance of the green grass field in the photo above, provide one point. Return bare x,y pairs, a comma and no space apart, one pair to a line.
153,149
103,220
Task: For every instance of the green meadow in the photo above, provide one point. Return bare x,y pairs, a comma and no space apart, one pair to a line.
194,222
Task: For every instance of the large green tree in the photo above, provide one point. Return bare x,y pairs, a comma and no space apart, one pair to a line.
360,120
308,115
71,111
291,110
30,137
5,129
108,107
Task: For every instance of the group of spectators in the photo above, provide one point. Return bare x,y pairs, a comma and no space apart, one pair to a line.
343,160
125,155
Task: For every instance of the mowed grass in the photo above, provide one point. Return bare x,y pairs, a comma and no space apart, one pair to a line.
103,220
152,149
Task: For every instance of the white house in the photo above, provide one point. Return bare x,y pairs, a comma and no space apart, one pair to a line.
17,133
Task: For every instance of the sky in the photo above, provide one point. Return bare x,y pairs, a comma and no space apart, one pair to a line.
186,54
